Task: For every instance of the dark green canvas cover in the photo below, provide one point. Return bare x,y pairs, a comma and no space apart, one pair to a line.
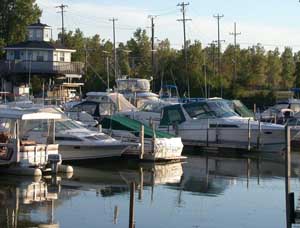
124,123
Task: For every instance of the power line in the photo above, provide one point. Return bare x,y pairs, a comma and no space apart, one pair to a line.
218,17
62,11
235,34
183,8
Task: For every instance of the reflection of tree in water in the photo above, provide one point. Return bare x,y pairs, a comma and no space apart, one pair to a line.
113,190
213,187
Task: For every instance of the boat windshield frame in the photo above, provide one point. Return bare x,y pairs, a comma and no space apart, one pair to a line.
209,109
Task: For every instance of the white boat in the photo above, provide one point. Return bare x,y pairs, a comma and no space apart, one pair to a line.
214,122
24,156
158,146
75,141
136,90
99,105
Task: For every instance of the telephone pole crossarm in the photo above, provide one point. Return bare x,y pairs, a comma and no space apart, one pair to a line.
62,11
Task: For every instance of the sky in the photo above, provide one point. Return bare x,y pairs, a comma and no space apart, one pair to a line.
272,23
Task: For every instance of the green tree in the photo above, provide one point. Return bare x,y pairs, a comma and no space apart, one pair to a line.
15,16
288,68
273,70
140,55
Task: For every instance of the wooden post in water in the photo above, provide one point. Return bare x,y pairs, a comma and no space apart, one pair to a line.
249,135
153,139
248,171
207,133
287,174
141,184
258,134
131,206
217,134
116,214
142,142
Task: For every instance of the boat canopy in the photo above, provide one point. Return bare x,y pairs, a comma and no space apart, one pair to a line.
26,115
124,123
209,109
172,114
133,84
115,98
241,109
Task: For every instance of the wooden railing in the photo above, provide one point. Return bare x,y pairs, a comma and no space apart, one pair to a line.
50,67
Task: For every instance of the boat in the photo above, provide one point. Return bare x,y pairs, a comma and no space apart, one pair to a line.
99,105
79,143
281,112
213,123
158,146
75,141
136,90
22,155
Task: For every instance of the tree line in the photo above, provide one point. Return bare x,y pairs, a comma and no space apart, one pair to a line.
259,72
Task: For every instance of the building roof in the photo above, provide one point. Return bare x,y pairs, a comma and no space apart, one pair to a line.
36,45
38,24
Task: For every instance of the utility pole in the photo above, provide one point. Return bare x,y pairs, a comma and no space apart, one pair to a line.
213,57
107,68
235,34
183,8
115,49
152,17
218,17
205,77
62,11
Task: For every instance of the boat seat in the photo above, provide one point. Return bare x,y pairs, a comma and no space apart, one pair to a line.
28,142
4,137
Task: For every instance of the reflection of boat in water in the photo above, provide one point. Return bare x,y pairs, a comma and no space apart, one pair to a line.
212,175
101,177
22,196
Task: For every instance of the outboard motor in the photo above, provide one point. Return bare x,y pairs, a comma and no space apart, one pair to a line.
54,160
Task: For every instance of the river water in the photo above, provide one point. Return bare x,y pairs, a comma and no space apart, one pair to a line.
204,191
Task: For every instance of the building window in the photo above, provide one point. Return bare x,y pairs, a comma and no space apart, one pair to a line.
38,34
30,34
30,55
17,54
62,57
40,58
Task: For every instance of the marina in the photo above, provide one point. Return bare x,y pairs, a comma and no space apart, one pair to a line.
107,122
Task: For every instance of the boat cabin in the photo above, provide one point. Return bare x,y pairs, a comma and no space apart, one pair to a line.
100,104
16,148
209,109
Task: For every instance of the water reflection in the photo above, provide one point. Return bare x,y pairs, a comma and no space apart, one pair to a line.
99,194
21,197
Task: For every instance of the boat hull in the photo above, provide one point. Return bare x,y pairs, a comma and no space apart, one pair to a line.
85,152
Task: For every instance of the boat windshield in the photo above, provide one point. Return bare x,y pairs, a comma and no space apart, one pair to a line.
210,109
153,107
66,125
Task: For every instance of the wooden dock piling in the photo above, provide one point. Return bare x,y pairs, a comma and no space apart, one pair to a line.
141,172
131,206
288,174
249,135
142,148
258,134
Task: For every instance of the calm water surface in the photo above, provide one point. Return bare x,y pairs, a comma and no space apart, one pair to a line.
202,192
